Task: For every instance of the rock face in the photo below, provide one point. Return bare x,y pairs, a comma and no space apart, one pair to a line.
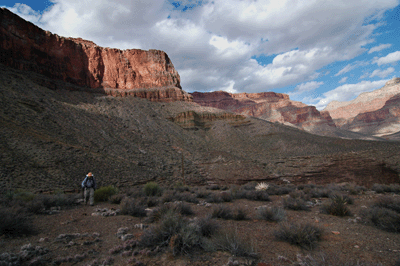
147,74
271,106
374,113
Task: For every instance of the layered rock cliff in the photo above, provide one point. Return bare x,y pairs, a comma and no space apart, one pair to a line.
374,113
147,74
271,106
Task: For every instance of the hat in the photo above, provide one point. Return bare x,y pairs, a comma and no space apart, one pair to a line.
90,174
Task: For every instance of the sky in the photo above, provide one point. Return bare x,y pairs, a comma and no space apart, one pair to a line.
317,51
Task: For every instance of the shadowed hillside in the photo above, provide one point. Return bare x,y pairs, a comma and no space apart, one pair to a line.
50,138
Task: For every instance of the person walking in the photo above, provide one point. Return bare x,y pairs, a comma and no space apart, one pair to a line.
89,185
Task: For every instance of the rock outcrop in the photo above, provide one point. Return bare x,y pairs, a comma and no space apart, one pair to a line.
365,102
271,106
375,113
147,74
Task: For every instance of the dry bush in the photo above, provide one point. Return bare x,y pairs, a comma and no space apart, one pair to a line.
133,207
15,222
303,235
231,242
296,204
271,214
337,206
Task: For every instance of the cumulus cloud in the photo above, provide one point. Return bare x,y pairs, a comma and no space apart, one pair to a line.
348,92
212,43
382,73
379,48
306,87
390,58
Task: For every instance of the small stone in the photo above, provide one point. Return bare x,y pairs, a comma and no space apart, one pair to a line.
126,237
336,232
357,246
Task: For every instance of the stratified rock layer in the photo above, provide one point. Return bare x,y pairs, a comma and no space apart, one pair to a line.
271,106
374,113
147,74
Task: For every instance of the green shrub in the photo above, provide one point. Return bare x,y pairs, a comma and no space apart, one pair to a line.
23,195
104,193
117,199
152,189
303,235
271,214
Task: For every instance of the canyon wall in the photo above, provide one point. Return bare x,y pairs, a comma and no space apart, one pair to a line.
147,74
271,106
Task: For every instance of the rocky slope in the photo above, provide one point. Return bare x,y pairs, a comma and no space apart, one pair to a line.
374,113
51,137
145,74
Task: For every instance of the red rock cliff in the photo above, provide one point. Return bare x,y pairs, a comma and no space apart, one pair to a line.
149,74
271,106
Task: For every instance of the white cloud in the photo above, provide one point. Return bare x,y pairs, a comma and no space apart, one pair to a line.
390,58
382,73
348,92
306,87
379,48
212,44
350,67
343,80
26,12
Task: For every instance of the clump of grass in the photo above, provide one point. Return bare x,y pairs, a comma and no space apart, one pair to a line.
271,214
152,189
296,204
337,206
15,223
231,242
254,195
133,207
303,235
104,193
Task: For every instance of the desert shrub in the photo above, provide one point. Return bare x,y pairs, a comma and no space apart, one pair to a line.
337,206
384,219
255,195
173,231
214,197
397,263
133,207
382,188
295,204
239,214
319,193
152,189
183,208
299,194
226,196
271,214
207,226
23,195
152,201
117,199
104,193
388,203
230,241
136,192
342,197
186,196
227,213
160,212
279,190
303,235
222,211
15,223
354,189
202,193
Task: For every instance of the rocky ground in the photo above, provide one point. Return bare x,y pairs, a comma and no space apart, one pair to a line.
102,235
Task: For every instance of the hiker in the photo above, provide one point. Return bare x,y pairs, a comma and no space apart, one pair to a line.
89,184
